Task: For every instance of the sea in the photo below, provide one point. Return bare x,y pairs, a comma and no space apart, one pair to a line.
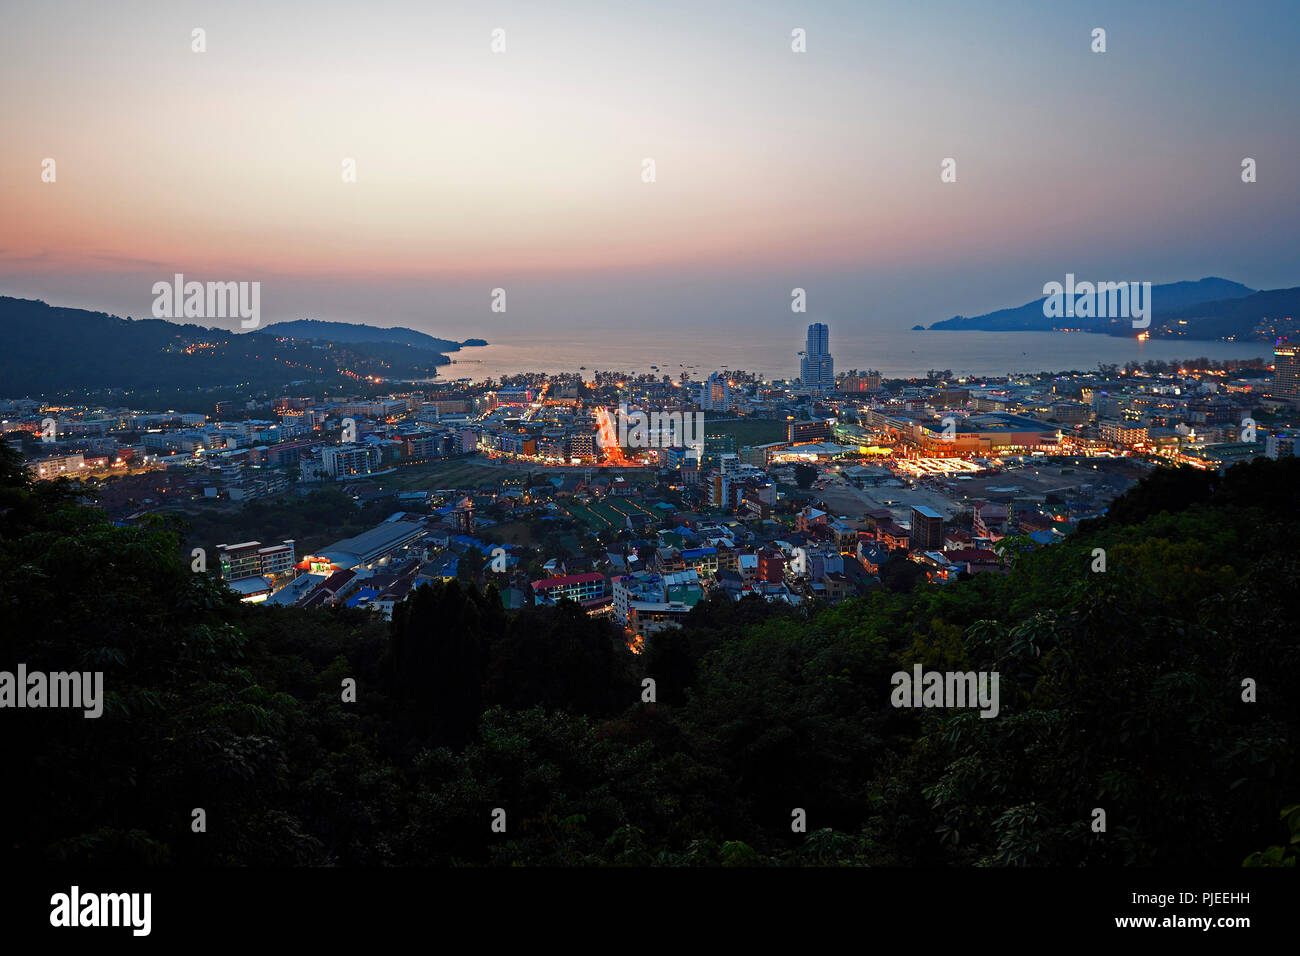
895,353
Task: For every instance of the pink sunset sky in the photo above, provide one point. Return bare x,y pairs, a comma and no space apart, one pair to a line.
523,168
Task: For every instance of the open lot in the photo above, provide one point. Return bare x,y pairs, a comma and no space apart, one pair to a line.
1097,480
852,502
758,431
455,473
1082,478
511,532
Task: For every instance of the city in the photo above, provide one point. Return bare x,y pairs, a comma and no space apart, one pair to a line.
537,467
817,488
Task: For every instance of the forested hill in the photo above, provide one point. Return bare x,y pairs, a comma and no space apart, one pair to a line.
354,332
1120,689
1032,316
1261,316
49,349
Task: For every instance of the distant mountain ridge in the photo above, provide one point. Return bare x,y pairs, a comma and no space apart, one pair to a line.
1165,300
50,349
356,332
1261,316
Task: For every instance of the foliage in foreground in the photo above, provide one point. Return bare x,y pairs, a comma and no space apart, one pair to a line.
1119,690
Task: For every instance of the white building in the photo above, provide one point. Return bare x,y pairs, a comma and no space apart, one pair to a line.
715,393
351,459
62,465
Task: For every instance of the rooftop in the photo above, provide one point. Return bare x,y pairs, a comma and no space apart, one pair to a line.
569,580
385,537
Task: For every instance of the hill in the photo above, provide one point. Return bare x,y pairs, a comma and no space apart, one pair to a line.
1261,316
355,332
49,349
1030,318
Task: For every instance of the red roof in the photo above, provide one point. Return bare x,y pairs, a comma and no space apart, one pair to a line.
567,580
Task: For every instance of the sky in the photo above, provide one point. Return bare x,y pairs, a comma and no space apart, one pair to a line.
523,169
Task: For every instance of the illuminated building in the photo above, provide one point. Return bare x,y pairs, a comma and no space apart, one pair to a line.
582,588
715,393
249,559
816,367
582,445
984,435
62,465
1286,377
807,431
927,529
771,566
350,459
1127,434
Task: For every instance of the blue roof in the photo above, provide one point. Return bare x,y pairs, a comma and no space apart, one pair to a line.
698,552
362,594
449,564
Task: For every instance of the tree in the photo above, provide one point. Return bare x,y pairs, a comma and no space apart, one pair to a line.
439,654
470,565
899,573
669,660
561,658
1164,489
1159,690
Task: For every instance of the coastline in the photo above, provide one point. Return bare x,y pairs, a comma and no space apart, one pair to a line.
895,353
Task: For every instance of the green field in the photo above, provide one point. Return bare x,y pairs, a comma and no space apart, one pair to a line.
628,506
472,472
759,431
457,473
586,516
623,507
610,514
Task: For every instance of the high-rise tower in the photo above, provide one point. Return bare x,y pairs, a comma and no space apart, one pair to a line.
1286,377
817,368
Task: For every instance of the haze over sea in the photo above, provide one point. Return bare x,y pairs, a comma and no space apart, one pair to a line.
896,353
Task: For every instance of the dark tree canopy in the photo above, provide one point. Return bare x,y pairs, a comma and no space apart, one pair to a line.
1121,689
